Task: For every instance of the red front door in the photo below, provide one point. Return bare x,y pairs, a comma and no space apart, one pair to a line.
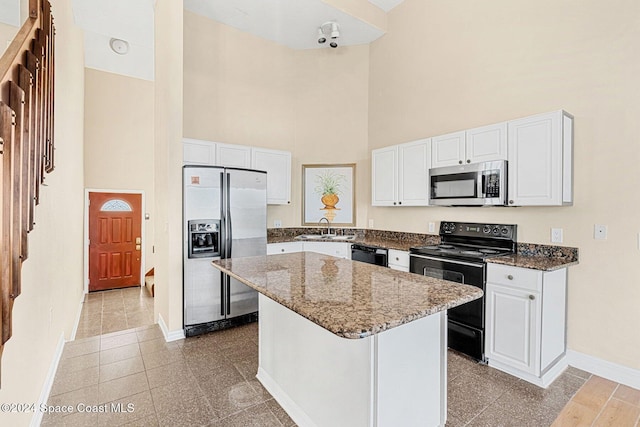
115,225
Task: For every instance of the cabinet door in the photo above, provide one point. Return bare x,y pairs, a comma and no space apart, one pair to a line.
448,150
278,167
384,176
236,156
284,248
535,160
413,173
487,143
512,318
337,249
197,152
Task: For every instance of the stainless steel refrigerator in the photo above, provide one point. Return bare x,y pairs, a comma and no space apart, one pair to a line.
225,216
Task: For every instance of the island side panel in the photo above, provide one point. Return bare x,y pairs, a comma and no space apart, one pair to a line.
411,373
396,377
320,379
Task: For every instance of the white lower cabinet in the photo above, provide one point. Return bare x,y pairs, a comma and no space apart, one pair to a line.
284,248
526,322
398,260
336,249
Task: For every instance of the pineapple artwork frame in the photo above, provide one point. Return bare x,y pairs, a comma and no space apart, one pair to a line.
328,191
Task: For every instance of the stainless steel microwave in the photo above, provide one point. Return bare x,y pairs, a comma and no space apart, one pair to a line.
474,184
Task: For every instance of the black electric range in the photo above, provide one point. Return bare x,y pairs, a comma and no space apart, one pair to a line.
461,257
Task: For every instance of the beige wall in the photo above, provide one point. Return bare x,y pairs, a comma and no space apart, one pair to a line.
168,162
119,138
241,89
52,276
451,65
7,33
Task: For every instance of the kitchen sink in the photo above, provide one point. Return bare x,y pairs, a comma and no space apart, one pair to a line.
324,237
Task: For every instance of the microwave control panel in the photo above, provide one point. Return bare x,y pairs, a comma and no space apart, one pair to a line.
491,183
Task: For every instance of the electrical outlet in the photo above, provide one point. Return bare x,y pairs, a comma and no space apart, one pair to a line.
277,223
370,223
432,227
556,235
599,232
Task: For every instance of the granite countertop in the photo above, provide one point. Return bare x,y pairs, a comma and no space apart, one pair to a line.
377,238
348,298
535,262
528,255
539,257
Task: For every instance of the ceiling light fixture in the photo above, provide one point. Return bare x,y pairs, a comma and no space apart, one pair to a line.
329,29
119,46
321,36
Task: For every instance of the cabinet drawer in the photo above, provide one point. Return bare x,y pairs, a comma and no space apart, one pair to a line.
398,258
521,278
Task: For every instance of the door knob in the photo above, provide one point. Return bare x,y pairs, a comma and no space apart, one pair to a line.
137,247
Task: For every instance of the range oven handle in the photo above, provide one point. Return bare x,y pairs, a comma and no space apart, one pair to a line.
470,264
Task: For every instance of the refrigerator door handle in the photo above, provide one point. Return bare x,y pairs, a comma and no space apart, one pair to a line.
223,217
228,215
228,295
223,299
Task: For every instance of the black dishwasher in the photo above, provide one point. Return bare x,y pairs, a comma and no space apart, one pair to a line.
369,254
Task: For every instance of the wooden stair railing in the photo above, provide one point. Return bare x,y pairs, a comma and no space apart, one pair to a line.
26,145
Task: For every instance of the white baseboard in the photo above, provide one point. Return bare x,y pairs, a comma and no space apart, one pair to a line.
36,420
77,322
295,412
169,335
605,369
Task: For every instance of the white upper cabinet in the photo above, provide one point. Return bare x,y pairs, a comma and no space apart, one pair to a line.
413,173
197,152
384,176
448,150
231,155
541,160
399,174
483,144
487,143
277,164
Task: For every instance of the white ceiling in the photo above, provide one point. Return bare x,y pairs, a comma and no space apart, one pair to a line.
10,12
292,23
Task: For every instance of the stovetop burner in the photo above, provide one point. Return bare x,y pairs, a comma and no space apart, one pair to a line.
471,241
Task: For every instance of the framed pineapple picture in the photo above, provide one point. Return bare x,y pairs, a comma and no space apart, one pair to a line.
328,191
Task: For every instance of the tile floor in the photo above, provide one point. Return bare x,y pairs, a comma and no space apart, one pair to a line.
115,310
209,380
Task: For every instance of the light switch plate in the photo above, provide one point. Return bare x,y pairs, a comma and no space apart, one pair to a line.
370,223
277,223
556,235
432,227
599,232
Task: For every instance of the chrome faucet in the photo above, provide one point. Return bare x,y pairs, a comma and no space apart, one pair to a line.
328,225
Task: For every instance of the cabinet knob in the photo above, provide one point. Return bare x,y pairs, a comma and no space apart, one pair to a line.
288,201
459,162
510,277
281,250
532,297
397,259
399,203
468,161
510,202
394,203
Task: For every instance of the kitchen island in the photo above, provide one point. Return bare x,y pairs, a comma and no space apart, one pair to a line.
343,343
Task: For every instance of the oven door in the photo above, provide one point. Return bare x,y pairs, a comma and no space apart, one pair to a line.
468,273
